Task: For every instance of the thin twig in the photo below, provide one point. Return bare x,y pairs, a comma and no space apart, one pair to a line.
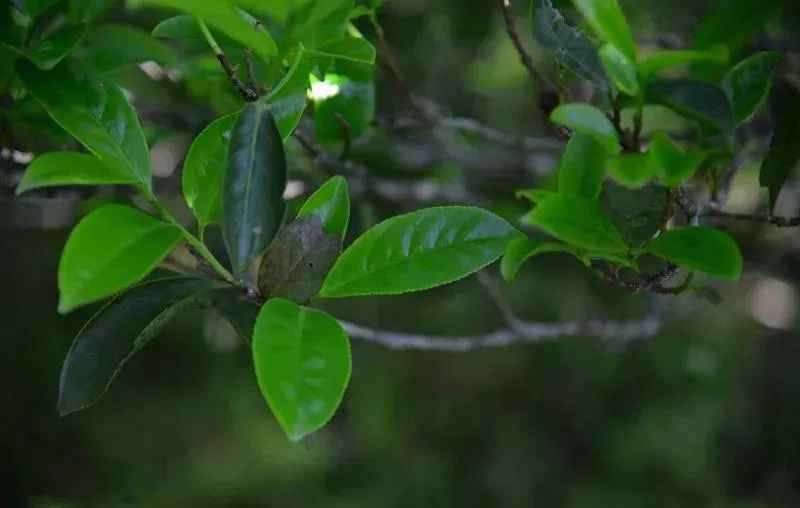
248,93
525,58
781,222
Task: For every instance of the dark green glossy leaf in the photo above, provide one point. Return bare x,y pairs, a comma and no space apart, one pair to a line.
577,221
298,260
110,249
204,168
637,214
224,16
110,47
703,249
632,170
747,84
419,250
587,119
302,363
95,112
355,49
670,163
607,20
521,250
48,53
620,69
340,99
582,168
253,187
665,59
240,311
784,149
570,47
69,168
331,203
119,330
734,22
698,100
287,100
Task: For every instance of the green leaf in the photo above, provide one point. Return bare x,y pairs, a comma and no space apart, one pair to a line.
747,84
119,330
784,149
734,22
323,22
253,186
331,203
204,168
180,27
698,100
47,53
354,49
33,8
607,20
69,168
110,47
83,11
535,196
419,250
287,100
110,249
570,47
227,18
620,69
670,163
638,214
298,260
582,168
577,221
589,120
665,59
699,248
521,250
95,112
339,98
631,170
302,363
238,309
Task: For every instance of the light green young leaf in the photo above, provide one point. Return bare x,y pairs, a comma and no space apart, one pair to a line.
302,363
227,18
110,249
521,250
95,112
670,163
204,168
69,168
620,69
587,119
118,331
287,100
607,20
703,249
748,83
583,167
331,203
632,170
419,250
577,221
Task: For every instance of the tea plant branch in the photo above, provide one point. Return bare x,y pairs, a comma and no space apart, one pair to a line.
525,58
248,92
525,332
781,222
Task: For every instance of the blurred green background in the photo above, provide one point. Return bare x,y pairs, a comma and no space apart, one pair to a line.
705,414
